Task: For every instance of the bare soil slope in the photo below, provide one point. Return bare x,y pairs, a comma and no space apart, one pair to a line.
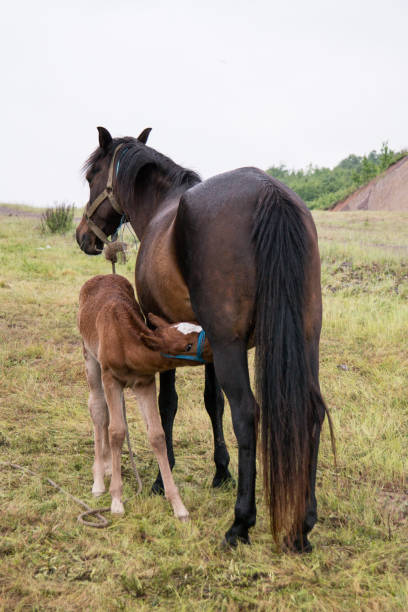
389,191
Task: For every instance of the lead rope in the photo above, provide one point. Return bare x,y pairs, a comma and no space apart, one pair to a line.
102,522
97,513
111,252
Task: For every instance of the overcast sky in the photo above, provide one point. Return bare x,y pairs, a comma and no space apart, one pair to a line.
223,84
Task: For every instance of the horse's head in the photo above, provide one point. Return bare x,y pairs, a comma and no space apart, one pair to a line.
175,339
103,212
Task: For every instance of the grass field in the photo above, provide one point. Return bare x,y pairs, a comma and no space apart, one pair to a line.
146,559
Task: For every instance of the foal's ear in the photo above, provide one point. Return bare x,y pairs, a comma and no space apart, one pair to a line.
151,341
157,321
143,136
104,137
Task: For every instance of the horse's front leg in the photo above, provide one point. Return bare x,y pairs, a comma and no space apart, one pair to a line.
214,404
168,402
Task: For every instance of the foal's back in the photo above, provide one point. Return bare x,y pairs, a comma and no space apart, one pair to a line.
106,290
109,318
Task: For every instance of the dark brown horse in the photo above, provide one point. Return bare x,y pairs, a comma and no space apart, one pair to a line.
238,253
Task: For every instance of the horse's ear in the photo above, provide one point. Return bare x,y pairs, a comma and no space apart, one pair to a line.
104,138
157,321
143,136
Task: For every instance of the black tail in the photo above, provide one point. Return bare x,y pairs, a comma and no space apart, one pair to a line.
283,385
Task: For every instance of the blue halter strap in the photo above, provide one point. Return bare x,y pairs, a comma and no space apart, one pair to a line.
197,357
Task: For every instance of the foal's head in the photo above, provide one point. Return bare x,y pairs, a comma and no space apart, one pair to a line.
175,339
100,171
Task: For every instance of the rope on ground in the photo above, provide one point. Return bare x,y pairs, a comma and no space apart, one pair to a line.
102,522
131,455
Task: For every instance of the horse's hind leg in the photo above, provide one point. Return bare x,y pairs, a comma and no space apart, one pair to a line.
300,543
146,397
168,401
231,366
214,404
100,418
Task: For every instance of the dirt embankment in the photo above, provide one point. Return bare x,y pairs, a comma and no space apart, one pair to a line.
389,191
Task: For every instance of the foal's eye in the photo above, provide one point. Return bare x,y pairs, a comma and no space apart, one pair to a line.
188,347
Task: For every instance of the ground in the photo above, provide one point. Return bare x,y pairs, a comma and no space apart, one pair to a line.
147,559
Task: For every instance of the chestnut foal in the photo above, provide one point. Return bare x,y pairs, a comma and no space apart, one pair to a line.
121,351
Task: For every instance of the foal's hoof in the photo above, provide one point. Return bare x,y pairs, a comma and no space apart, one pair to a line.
184,518
223,479
117,507
298,546
97,491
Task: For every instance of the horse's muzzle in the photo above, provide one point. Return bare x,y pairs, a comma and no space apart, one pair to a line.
87,241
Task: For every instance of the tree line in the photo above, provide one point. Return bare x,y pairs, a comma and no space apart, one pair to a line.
321,188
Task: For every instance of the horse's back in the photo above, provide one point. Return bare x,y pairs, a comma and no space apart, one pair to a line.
213,230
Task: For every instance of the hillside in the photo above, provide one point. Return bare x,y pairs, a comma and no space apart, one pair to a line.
389,191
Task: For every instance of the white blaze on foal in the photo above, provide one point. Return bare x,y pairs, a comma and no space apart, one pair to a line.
188,328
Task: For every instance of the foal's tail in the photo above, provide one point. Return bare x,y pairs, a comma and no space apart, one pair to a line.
287,396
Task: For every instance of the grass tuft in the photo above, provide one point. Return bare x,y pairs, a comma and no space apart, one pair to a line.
58,220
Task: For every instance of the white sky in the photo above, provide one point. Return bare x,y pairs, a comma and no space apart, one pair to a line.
223,83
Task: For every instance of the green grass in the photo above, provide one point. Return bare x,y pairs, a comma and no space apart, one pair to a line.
147,559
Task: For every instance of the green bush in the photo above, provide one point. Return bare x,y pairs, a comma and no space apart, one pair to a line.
58,219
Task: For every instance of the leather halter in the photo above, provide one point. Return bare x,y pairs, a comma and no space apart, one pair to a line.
107,194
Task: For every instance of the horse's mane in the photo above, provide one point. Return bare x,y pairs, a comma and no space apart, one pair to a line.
133,157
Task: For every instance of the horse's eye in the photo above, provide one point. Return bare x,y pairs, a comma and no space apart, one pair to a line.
188,347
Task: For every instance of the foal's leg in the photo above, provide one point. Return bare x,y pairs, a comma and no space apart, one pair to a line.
100,417
214,404
146,397
114,397
231,366
168,401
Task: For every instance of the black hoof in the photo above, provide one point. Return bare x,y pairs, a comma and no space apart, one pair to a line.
298,546
232,537
157,488
222,479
